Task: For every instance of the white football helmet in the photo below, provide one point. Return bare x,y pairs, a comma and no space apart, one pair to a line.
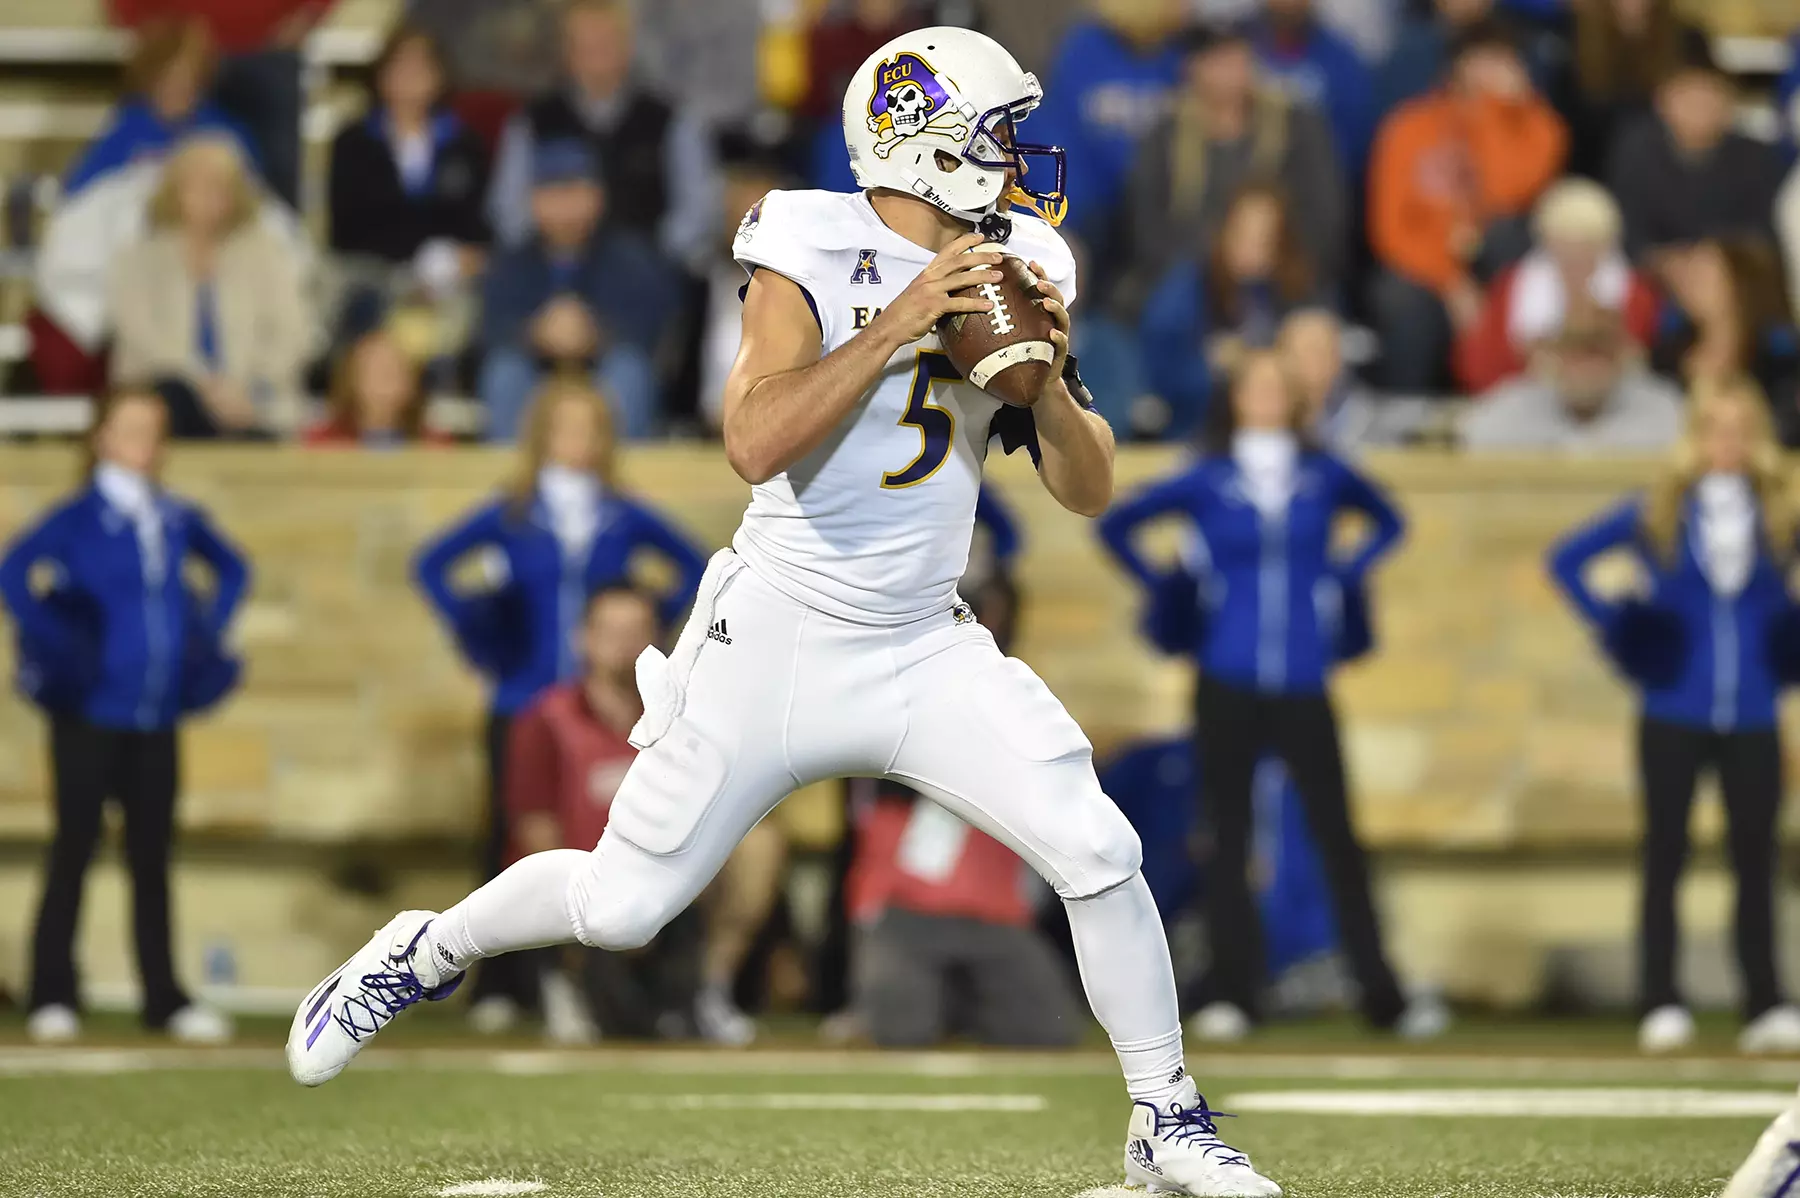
960,93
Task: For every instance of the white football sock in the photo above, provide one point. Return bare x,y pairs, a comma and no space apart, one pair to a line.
1130,984
526,906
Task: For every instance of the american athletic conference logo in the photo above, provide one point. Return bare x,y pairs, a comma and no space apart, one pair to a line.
866,271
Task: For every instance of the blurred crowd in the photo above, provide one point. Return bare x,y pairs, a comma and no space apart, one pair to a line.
1551,208
1302,225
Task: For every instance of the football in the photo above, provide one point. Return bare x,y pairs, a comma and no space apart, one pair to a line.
1006,351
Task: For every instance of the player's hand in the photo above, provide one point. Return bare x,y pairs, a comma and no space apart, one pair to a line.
929,298
1051,301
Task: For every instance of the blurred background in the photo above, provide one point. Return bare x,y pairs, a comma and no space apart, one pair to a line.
434,301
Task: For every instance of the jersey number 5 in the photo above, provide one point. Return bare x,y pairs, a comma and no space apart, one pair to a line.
937,426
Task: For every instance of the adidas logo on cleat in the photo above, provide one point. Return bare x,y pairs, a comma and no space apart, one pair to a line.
1143,1157
1180,1072
718,633
446,956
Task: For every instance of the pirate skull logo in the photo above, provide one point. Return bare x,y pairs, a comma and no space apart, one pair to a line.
908,99
910,108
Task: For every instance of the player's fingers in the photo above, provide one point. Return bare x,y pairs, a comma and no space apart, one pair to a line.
966,303
1048,290
968,278
955,249
967,241
1059,315
947,266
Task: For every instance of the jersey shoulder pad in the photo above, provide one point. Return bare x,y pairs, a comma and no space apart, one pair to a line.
1034,240
795,233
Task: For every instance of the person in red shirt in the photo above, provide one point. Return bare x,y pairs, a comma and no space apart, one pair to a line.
946,942
568,752
259,80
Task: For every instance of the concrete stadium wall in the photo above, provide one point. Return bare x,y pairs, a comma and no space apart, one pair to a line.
1486,728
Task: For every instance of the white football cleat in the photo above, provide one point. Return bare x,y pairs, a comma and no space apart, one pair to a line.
1773,1167
1177,1150
53,1023
1667,1029
1776,1030
386,976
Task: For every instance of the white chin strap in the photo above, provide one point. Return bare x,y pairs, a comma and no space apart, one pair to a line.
923,189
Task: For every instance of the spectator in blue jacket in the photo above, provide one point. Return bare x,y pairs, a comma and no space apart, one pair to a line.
1320,67
165,88
1108,85
1273,609
1421,54
1708,647
577,294
560,532
117,649
1204,315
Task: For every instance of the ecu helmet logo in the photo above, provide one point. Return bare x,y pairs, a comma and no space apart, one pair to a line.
908,100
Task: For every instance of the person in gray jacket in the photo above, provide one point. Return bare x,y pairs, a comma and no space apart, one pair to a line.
1588,393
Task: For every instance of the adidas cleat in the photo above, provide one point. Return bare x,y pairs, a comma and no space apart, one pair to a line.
343,1012
1177,1150
1773,1170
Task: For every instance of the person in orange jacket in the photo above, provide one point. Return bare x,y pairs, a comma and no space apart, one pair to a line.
1451,184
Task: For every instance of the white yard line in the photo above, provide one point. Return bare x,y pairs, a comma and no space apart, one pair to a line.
17,1061
491,1186
1645,1103
1011,1103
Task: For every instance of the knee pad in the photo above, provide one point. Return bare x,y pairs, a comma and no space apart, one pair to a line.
608,906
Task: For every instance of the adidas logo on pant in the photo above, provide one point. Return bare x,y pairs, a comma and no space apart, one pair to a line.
718,633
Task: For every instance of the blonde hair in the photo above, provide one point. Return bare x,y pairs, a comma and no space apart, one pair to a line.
1578,210
1767,470
534,434
201,149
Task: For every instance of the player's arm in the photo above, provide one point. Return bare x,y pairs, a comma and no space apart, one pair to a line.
782,399
1076,444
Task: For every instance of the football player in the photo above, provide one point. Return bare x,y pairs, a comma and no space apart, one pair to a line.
829,640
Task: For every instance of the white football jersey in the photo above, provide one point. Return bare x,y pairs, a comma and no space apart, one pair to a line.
874,525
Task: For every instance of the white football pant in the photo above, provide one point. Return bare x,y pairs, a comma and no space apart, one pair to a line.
763,695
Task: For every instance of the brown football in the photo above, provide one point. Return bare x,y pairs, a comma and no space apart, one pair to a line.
1007,351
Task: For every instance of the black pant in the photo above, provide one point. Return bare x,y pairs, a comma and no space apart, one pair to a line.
139,771
1670,758
1236,728
510,976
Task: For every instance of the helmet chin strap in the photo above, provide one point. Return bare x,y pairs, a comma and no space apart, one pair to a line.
990,221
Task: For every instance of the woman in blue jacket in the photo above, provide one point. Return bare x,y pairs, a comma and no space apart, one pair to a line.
1708,648
560,532
117,649
1276,608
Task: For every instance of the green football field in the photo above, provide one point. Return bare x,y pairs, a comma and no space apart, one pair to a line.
1531,1115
